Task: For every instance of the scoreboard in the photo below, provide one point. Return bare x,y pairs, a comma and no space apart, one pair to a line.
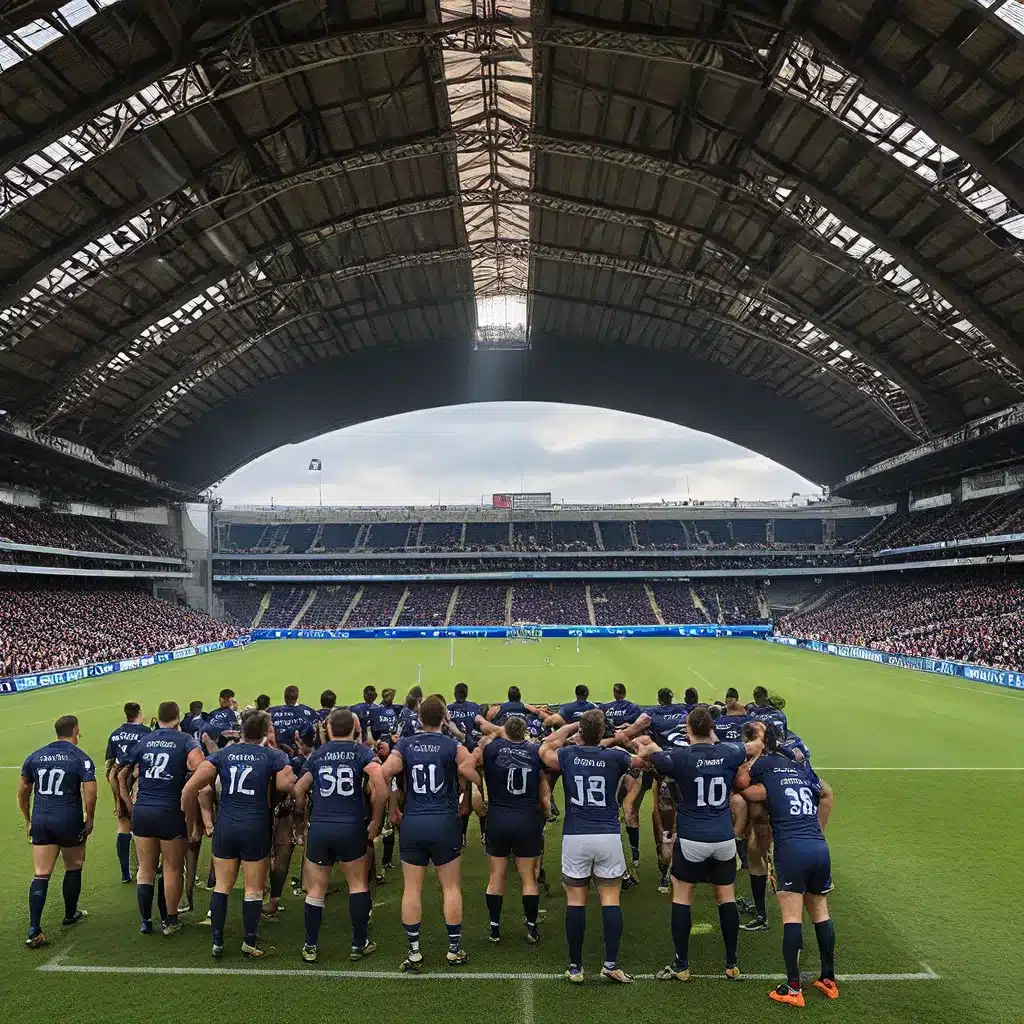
532,500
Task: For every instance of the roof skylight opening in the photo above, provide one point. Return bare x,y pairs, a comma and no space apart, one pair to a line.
1010,11
501,322
37,35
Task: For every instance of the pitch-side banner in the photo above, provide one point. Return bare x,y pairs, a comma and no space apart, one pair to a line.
503,632
59,677
975,673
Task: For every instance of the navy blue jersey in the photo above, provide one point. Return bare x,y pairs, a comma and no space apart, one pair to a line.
194,725
289,719
408,723
322,713
793,792
511,709
534,726
590,777
463,714
773,715
383,721
729,728
575,710
246,771
620,713
122,740
704,773
793,744
162,757
431,775
57,772
338,774
512,774
362,712
668,724
221,720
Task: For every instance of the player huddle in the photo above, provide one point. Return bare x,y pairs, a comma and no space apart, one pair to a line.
730,781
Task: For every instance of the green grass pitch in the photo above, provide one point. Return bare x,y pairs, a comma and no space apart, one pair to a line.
927,863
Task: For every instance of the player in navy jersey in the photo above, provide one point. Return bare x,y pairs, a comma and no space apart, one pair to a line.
222,723
57,798
518,803
430,764
249,772
794,748
591,846
291,718
799,805
383,719
362,710
620,712
763,710
705,848
294,728
729,725
163,759
499,714
408,719
463,712
195,721
337,777
573,711
119,748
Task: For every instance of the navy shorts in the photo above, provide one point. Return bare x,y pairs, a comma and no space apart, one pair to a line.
58,833
803,865
164,823
240,842
514,835
335,843
429,839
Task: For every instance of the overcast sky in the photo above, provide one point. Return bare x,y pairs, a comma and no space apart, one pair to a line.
462,453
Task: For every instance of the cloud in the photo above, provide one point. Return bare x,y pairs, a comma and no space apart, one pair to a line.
462,454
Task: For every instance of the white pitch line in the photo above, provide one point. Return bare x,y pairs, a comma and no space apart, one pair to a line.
701,676
58,966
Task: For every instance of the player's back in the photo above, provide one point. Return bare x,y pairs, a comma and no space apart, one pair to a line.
431,775
362,712
162,757
57,772
511,709
123,739
704,774
773,716
246,772
408,723
729,728
575,710
793,792
590,779
289,719
194,725
464,714
512,775
337,792
620,713
383,721
668,724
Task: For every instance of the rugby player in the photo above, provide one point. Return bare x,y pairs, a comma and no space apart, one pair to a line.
663,821
430,764
518,803
620,712
242,836
408,720
195,721
591,846
119,748
339,774
763,710
384,719
799,805
464,712
292,721
57,798
163,758
514,706
729,726
362,710
705,849
222,723
573,711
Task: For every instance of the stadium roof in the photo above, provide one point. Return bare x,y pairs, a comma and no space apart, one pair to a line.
227,224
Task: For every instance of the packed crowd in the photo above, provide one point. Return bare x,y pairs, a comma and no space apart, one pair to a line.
487,604
977,620
45,626
22,525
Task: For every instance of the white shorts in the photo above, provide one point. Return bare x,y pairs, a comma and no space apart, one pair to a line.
597,856
697,853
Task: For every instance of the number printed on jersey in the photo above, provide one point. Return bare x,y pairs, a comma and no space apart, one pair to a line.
238,780
516,781
50,782
593,795
717,792
338,779
424,779
801,801
156,766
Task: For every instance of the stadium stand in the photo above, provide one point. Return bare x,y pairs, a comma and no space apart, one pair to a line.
426,604
377,605
956,617
550,603
23,525
329,607
480,604
619,604
44,625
